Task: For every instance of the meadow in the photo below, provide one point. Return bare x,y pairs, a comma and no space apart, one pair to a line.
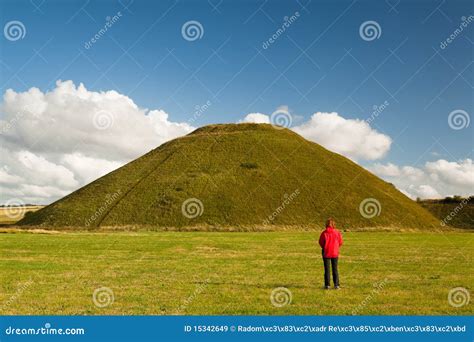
232,273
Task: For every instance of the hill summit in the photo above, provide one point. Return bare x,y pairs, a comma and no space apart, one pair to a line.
236,176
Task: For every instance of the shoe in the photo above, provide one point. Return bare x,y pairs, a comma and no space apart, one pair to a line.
337,287
326,287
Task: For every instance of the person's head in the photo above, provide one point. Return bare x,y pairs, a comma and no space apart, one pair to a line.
330,223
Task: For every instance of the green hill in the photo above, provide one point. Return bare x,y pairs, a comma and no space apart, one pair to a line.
237,176
455,212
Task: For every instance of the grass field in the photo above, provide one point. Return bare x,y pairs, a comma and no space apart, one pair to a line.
231,273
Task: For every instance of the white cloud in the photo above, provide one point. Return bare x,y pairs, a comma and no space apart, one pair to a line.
452,173
46,172
7,178
256,118
54,142
389,170
354,139
422,191
435,179
88,169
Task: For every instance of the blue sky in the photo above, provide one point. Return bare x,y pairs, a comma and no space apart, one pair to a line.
319,64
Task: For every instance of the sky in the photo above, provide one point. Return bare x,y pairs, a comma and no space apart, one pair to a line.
90,85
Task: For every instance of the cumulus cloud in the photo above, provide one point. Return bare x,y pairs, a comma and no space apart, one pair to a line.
422,191
54,142
354,139
256,118
452,173
435,179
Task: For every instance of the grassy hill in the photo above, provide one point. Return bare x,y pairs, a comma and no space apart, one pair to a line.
456,212
245,175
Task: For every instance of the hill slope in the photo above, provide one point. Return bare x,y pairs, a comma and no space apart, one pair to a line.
244,175
455,213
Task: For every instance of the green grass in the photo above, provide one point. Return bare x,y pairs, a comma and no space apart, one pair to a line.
242,174
231,273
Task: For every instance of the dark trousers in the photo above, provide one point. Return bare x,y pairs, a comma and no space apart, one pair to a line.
330,263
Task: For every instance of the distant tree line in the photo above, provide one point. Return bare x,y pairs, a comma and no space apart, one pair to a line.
19,205
449,199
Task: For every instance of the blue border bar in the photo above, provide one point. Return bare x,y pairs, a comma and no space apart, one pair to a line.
235,328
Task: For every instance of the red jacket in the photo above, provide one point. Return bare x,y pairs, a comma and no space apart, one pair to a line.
330,241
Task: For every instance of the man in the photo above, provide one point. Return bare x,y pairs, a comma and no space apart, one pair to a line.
330,240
